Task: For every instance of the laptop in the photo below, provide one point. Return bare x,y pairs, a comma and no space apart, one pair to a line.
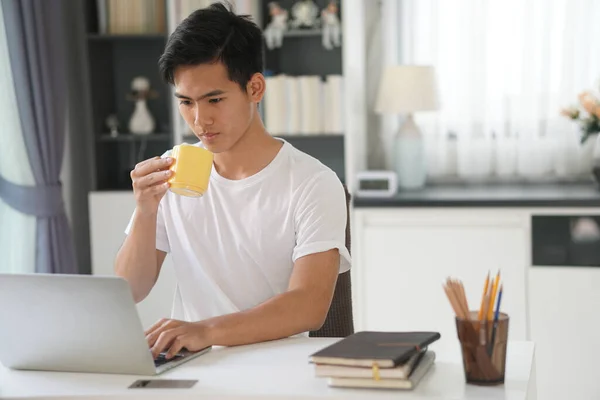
75,323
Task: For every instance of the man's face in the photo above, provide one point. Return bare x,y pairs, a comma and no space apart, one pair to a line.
215,108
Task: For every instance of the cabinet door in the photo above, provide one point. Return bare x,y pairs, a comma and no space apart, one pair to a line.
565,322
405,256
109,215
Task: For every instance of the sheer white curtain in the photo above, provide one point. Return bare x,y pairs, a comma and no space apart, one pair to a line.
17,230
505,70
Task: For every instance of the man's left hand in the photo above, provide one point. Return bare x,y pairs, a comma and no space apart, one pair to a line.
174,335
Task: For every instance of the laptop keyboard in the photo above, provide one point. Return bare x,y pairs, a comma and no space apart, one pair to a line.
161,360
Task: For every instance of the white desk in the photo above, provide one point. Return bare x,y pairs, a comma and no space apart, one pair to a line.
273,370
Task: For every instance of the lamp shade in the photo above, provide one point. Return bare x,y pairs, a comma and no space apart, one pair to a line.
407,89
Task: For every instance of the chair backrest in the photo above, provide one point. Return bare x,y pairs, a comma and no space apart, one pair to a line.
339,321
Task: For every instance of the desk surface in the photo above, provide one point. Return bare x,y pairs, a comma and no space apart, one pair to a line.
273,370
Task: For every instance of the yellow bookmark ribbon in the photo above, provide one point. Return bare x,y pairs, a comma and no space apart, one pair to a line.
376,372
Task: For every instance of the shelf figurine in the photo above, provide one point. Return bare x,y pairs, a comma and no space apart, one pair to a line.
141,122
331,26
112,122
278,25
305,14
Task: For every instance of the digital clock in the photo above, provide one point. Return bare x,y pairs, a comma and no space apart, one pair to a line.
376,184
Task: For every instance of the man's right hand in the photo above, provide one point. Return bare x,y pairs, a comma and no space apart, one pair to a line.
149,181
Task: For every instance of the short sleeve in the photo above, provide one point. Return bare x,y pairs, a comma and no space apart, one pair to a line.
162,239
320,218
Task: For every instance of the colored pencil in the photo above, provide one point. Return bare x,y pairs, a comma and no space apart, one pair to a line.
496,282
496,315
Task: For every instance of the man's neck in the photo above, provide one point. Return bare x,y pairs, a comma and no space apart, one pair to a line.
253,152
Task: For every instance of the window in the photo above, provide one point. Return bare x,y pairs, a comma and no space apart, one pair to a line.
505,69
17,230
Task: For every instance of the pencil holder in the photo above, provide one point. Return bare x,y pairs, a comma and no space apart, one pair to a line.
483,345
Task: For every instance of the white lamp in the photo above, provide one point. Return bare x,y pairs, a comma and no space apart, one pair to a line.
406,89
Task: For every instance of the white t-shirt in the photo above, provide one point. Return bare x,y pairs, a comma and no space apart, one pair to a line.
235,247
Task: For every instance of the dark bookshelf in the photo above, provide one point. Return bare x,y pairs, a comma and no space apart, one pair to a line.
113,60
130,137
118,37
291,33
302,53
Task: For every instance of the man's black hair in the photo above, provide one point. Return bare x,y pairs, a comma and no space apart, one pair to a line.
215,34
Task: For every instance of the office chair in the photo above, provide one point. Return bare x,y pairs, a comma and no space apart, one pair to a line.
339,321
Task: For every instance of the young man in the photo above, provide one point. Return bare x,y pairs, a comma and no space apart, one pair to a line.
257,257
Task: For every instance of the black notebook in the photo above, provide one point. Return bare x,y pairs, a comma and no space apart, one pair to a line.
365,349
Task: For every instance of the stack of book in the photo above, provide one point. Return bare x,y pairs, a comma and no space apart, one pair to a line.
386,360
304,105
131,16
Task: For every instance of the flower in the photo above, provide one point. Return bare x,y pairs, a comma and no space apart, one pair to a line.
571,112
589,102
589,118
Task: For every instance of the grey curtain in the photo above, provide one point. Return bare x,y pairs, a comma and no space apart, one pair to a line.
37,49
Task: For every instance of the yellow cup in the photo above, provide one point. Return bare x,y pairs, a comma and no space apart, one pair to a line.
191,169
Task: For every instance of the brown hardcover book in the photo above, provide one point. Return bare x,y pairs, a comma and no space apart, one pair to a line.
367,348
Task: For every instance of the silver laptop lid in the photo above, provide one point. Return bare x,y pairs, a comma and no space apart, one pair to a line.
78,323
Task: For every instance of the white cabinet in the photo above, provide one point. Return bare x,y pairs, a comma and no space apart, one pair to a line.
402,257
565,321
109,215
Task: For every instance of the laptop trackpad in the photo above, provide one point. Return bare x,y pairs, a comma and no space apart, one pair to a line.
163,384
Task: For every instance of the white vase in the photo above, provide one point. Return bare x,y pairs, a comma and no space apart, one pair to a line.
409,156
409,162
587,155
141,122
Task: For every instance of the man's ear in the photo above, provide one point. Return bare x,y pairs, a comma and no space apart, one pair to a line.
256,87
